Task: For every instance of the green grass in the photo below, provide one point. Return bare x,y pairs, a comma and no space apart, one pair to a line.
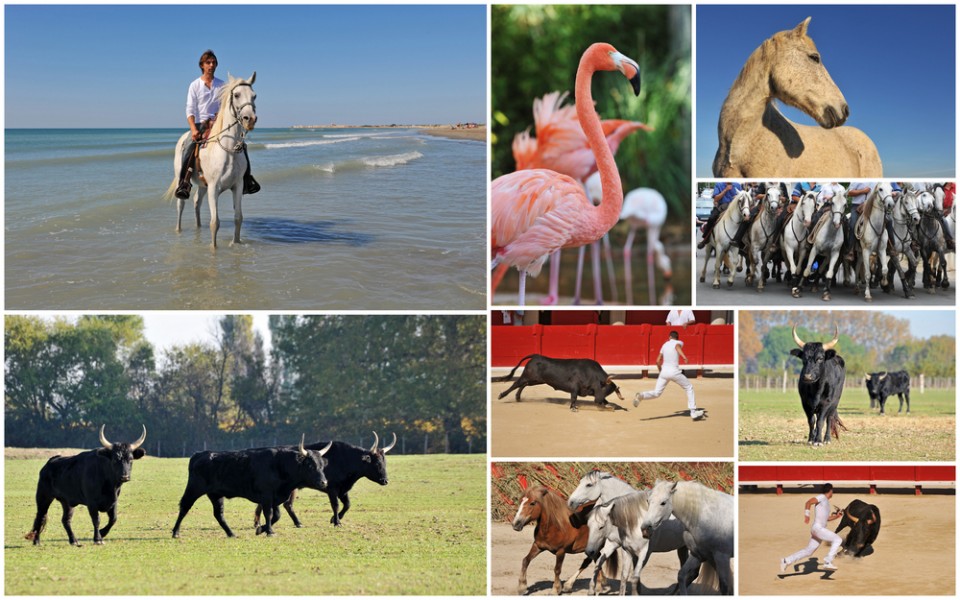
424,533
773,427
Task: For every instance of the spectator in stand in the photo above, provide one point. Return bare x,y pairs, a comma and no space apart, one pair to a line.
681,318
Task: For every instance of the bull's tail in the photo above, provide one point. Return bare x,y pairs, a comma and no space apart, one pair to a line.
510,375
256,517
836,425
34,533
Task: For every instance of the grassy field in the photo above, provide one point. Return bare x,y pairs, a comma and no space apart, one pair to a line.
424,534
773,427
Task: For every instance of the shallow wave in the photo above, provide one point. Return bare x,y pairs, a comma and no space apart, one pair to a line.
323,142
392,160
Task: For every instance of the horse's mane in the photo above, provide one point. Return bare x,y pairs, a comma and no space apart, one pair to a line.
628,510
225,93
735,201
553,507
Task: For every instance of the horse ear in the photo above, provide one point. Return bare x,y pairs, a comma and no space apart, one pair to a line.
253,77
673,488
801,29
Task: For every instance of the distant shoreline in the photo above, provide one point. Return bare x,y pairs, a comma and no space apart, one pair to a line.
447,131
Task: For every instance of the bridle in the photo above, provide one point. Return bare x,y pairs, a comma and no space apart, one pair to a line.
237,120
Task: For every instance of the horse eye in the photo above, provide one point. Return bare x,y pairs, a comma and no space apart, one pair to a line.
664,503
815,58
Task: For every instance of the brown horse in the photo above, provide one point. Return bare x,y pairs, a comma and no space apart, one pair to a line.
559,531
756,140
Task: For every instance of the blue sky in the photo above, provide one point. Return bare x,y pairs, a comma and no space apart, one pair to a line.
928,323
896,67
129,66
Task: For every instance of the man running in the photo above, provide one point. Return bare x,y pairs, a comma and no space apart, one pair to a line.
818,532
669,364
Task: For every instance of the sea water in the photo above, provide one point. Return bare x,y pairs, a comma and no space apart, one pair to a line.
347,219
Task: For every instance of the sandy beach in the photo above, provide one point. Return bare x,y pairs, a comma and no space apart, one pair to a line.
477,133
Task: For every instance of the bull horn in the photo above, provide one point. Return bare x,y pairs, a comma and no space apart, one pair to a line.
836,338
106,443
866,377
303,451
140,440
882,377
390,447
376,440
796,338
326,449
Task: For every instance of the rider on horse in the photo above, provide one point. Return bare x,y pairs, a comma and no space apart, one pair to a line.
203,103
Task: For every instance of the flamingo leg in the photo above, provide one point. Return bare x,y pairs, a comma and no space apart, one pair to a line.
523,287
611,271
597,278
627,266
577,286
553,294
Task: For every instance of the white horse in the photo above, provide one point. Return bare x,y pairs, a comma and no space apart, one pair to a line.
872,235
722,235
756,140
904,221
760,234
826,240
221,163
617,524
707,516
794,233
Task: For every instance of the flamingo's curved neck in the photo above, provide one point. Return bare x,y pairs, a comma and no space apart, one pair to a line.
612,201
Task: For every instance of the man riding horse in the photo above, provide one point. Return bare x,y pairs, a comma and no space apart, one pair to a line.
203,104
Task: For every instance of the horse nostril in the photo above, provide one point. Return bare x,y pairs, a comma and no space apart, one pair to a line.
846,111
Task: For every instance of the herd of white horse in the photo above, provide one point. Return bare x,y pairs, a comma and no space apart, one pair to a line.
811,245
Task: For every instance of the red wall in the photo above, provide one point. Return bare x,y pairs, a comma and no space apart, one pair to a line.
610,344
866,473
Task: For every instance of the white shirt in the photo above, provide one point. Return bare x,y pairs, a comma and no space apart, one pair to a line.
823,511
202,102
679,317
671,358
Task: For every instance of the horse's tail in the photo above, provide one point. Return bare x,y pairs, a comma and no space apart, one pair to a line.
168,195
707,581
510,375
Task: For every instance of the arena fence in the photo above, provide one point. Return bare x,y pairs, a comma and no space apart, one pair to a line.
613,346
872,476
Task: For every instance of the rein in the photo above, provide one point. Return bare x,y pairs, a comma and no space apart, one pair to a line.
238,146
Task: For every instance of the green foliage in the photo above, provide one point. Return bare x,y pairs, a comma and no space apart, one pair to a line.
536,49
392,542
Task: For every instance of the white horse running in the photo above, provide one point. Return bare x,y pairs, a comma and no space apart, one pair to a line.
904,222
761,232
221,158
872,235
794,233
722,235
826,240
617,523
707,516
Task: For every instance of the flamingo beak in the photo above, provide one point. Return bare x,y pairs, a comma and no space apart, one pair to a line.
630,70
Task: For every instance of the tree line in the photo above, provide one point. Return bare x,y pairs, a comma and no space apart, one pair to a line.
330,377
869,342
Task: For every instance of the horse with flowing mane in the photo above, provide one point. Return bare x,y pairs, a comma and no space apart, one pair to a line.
757,140
221,156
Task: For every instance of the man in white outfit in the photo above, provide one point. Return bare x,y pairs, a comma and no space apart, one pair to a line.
681,318
818,532
669,364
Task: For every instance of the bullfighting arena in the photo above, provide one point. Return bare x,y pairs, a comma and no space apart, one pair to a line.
914,553
508,547
542,425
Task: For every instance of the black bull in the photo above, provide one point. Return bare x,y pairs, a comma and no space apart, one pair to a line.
864,522
881,386
265,476
578,376
92,478
820,386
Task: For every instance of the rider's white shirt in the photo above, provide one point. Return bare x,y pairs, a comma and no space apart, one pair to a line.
203,102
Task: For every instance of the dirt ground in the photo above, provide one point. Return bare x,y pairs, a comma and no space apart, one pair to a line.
508,547
914,553
541,424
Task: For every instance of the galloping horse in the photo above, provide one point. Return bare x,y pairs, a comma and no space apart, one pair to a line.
761,232
795,231
707,516
221,157
554,533
826,240
872,234
756,140
932,244
722,235
904,220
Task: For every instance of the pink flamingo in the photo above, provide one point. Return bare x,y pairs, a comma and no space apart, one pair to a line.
537,211
561,146
647,208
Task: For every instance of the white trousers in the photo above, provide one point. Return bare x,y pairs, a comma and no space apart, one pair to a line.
675,375
818,535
